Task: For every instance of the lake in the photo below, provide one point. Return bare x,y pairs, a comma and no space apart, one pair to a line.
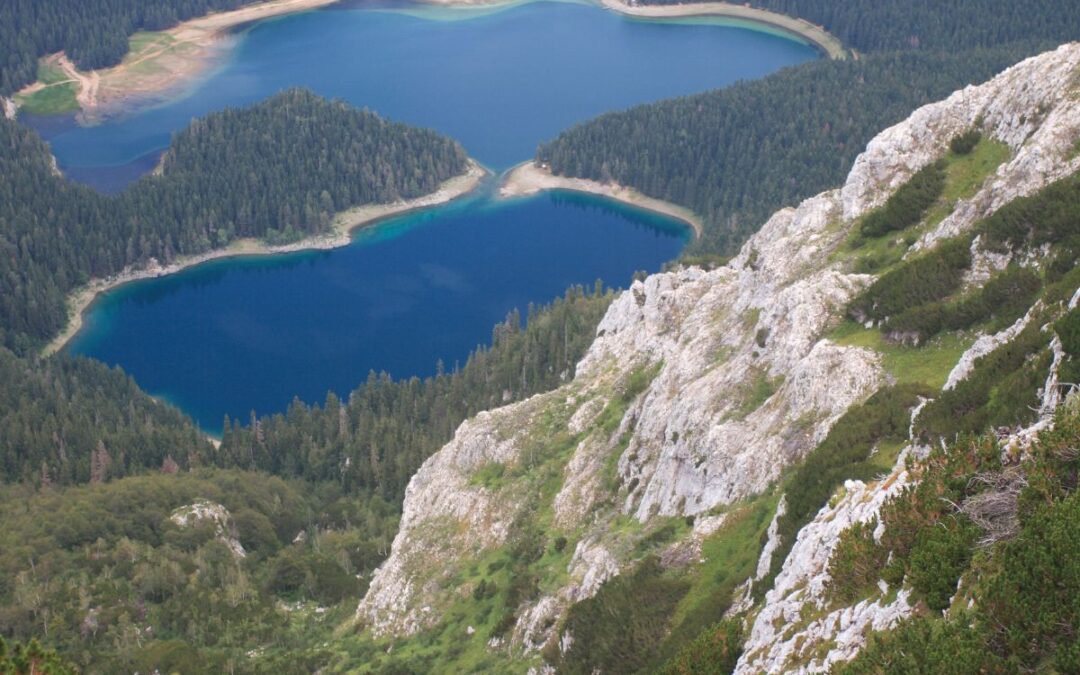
241,334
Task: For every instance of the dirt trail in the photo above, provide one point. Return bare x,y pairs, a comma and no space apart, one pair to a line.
87,83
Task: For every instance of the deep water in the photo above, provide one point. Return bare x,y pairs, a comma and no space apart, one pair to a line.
246,334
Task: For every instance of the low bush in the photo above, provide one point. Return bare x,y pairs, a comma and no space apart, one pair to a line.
964,143
1047,217
856,563
927,278
715,651
908,204
1001,390
616,630
1004,298
883,418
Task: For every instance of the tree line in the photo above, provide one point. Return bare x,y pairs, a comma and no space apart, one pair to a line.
279,170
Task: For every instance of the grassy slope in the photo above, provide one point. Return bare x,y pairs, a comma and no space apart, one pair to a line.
56,96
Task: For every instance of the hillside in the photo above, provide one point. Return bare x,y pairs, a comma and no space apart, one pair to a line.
608,524
94,469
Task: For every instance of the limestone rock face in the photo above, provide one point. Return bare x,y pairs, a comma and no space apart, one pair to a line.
782,634
1030,107
700,388
742,385
203,511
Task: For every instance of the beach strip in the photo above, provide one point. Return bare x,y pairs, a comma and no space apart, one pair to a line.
529,179
163,61
815,35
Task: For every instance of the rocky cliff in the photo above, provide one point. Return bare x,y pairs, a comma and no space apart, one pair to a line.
702,388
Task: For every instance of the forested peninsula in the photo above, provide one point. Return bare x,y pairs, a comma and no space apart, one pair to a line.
736,155
279,171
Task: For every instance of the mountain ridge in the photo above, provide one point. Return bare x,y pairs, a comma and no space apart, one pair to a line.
701,390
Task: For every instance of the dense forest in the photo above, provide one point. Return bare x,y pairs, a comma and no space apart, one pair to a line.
108,576
738,154
93,33
73,420
279,170
93,468
943,25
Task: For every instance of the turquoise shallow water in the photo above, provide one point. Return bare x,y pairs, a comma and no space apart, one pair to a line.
231,336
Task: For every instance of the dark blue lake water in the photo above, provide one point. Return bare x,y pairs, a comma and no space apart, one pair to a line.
235,335
231,336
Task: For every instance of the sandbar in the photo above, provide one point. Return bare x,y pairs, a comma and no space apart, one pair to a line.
528,179
160,62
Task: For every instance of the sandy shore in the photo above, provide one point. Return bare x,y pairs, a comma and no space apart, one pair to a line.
161,62
814,34
528,179
344,224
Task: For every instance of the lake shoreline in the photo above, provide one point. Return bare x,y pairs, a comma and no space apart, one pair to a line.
345,224
173,58
527,179
817,36
178,56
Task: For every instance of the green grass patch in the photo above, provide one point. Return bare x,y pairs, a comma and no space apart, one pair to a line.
489,476
58,95
760,389
54,99
731,556
928,364
50,73
965,174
